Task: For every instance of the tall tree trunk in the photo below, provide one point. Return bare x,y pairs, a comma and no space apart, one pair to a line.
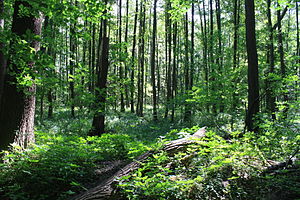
141,58
205,50
2,56
126,52
132,88
187,111
298,40
121,71
253,84
281,55
174,79
153,54
72,69
192,70
270,98
212,56
219,59
236,21
98,125
168,56
298,43
18,103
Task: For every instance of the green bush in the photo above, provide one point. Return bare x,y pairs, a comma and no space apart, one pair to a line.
59,166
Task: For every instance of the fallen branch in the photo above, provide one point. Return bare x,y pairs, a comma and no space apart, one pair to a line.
106,190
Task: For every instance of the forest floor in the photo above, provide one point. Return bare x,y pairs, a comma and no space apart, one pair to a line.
65,162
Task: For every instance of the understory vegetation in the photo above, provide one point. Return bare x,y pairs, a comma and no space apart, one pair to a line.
64,161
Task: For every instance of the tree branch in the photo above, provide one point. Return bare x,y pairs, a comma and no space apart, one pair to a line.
281,17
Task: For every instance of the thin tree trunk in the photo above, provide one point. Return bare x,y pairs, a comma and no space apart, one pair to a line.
235,50
141,58
270,98
72,69
168,56
153,54
281,55
132,88
174,79
187,112
18,103
121,72
212,57
126,52
253,84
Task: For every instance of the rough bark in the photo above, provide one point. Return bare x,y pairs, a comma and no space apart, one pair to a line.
253,84
98,125
18,103
106,190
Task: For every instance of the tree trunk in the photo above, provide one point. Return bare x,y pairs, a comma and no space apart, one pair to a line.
236,21
132,88
141,58
2,56
270,98
153,54
168,56
72,67
18,103
282,62
98,125
174,75
187,112
121,71
253,84
126,52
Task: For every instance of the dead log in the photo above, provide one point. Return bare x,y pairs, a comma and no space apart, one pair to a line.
106,189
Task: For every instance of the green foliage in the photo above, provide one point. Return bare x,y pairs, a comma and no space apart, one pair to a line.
59,165
212,168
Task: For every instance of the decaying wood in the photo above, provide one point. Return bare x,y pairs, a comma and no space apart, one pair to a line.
106,190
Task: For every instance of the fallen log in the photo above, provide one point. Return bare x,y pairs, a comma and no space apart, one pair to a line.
106,190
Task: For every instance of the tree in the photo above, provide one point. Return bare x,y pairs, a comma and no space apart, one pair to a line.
18,102
132,88
153,53
98,125
270,98
2,52
253,84
141,61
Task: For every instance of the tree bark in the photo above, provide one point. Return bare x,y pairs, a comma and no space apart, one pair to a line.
270,98
121,71
98,125
253,83
18,104
282,62
132,88
141,61
187,110
153,54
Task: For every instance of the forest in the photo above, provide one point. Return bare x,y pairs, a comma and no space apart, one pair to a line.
149,100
